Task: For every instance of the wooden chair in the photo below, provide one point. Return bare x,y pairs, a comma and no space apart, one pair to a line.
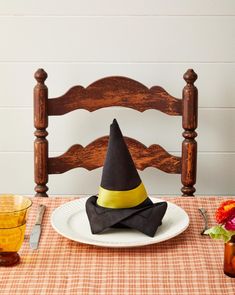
116,91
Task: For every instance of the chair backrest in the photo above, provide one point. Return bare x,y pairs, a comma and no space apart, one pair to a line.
116,91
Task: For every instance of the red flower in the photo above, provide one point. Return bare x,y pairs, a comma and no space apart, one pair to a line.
225,210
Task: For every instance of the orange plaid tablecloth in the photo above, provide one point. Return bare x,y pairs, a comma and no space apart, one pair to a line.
187,264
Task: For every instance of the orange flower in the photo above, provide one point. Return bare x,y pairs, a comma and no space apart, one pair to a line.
225,210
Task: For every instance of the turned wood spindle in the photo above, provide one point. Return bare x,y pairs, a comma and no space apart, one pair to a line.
40,143
189,145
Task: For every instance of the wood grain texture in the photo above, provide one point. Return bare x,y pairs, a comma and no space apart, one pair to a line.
168,75
189,145
115,91
40,143
83,182
93,155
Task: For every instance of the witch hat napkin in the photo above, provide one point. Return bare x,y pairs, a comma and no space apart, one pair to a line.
122,199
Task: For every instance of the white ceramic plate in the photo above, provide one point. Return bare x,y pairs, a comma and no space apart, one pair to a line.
70,220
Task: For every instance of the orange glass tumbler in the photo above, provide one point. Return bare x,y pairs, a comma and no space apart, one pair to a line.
229,257
13,216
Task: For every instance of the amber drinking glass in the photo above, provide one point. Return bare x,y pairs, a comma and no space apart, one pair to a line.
229,258
13,215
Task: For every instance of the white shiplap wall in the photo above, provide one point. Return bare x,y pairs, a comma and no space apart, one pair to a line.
152,41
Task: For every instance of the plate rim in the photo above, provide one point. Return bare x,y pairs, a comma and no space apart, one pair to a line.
116,245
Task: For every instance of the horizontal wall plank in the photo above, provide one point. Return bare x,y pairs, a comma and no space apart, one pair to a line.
121,7
215,81
215,177
145,39
149,127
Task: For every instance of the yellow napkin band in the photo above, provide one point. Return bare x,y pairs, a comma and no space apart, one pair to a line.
121,199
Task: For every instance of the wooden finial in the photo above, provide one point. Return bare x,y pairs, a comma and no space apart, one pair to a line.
190,76
40,143
40,75
189,145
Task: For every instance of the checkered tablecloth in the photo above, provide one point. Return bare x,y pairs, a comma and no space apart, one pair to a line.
187,264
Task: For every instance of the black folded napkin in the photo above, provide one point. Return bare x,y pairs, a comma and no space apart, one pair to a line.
145,218
122,201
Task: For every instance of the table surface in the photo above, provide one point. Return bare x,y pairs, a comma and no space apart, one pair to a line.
187,264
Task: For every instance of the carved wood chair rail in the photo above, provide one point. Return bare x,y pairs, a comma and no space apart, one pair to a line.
124,92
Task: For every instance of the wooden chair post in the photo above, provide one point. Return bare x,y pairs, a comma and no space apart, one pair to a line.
189,145
40,143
